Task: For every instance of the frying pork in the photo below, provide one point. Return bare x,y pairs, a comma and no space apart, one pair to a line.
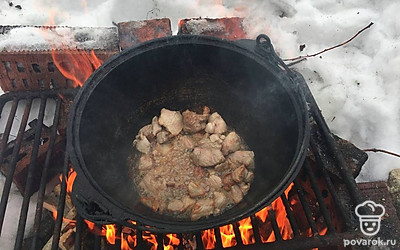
191,165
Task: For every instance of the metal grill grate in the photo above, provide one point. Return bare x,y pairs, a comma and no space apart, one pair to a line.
312,205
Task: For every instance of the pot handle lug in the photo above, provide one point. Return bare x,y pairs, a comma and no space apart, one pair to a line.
265,48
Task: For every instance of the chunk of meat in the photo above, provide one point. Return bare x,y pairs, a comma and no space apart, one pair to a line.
236,194
231,143
162,149
155,126
192,122
207,143
145,162
196,190
202,208
146,131
153,185
215,182
207,157
220,200
222,167
142,144
227,182
187,203
175,206
187,142
216,138
162,137
242,157
155,204
244,187
216,124
171,120
249,177
239,173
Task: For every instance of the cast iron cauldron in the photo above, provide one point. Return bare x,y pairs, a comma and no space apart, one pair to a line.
244,81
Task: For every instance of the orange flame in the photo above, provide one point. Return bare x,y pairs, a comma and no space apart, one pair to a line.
246,231
208,238
150,239
109,231
173,242
228,236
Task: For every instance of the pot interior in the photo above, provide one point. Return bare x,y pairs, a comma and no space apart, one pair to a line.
248,96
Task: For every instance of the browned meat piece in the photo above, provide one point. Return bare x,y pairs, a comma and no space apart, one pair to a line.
162,149
202,208
146,131
171,120
142,144
236,194
175,206
216,125
227,182
207,157
220,200
215,182
222,167
195,190
145,162
199,171
155,126
207,143
231,143
216,138
155,204
242,157
244,187
162,137
239,173
192,122
187,203
153,185
187,142
249,177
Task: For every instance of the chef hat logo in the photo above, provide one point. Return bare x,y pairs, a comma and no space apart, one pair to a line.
370,214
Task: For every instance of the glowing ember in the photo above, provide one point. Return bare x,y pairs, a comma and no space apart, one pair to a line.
228,236
246,231
208,238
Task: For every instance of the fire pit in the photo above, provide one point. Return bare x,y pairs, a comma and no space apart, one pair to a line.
314,211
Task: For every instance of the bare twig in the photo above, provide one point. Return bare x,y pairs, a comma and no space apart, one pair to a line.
334,47
381,150
296,62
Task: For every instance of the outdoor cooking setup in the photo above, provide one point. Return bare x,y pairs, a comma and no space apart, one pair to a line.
304,193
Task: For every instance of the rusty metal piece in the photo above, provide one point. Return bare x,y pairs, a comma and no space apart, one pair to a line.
134,32
229,28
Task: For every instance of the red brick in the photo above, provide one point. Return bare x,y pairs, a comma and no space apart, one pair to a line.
134,32
229,28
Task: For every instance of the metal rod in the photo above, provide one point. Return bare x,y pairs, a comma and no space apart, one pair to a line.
275,227
320,199
160,241
292,221
78,234
61,204
42,187
256,229
180,246
97,239
218,241
7,130
118,238
199,241
340,163
13,164
238,235
139,239
318,159
306,207
30,178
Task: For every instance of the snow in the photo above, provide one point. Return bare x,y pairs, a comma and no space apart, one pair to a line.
356,86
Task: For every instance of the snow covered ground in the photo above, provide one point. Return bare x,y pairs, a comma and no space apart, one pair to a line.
356,86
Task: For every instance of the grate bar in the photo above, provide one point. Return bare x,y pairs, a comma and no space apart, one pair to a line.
275,227
332,191
292,221
97,240
340,163
7,130
256,229
13,164
218,240
238,235
78,234
199,242
61,204
139,239
42,187
29,180
320,199
306,207
160,241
